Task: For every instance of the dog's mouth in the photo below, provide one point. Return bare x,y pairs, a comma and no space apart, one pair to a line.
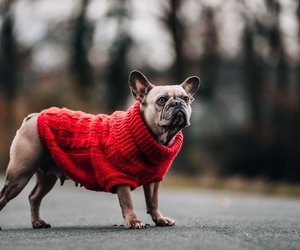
173,119
179,118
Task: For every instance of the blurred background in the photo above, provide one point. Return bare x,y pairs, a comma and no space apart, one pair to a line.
78,54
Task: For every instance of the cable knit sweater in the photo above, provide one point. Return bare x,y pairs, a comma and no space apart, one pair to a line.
101,151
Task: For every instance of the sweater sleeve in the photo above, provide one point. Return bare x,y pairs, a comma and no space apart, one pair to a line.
119,179
109,176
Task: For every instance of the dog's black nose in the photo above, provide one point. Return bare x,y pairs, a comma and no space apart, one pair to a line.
176,103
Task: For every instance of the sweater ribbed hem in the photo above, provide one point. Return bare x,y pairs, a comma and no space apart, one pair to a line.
119,179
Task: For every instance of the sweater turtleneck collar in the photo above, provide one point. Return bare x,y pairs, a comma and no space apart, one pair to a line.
144,140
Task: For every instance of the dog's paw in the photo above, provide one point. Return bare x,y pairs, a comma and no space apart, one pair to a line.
40,224
134,223
164,222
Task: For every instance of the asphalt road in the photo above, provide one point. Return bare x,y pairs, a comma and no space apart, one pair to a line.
83,219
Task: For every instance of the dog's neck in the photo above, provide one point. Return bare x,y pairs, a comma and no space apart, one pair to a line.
163,135
166,137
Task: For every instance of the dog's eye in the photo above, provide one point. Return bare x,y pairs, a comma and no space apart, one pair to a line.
186,98
161,100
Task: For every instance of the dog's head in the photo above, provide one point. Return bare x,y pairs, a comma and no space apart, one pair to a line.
166,109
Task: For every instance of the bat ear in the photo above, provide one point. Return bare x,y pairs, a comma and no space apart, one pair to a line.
139,85
191,85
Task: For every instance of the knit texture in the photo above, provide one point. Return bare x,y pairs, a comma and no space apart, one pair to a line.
101,151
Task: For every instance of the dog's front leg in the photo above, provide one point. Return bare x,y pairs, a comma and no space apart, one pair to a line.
130,218
151,196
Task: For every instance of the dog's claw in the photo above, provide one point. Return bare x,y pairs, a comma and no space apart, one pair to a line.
40,224
135,224
138,225
164,222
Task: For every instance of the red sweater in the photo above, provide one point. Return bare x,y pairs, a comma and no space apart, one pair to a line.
102,151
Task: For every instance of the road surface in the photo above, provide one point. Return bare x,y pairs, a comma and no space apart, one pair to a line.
84,219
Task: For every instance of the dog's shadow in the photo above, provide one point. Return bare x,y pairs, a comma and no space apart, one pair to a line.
64,230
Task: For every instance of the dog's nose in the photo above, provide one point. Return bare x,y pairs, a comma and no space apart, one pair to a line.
176,103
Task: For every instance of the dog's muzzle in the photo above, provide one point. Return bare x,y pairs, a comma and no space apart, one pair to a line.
175,114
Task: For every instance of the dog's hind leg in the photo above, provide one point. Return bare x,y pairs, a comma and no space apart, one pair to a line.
44,183
26,156
14,184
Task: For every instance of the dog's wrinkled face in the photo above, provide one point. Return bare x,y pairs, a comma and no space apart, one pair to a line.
166,109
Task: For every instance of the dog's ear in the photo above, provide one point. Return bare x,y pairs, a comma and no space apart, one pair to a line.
139,85
191,85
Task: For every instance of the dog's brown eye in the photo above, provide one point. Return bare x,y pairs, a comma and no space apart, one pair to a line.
161,100
186,98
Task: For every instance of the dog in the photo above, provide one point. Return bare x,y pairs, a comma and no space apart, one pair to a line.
115,153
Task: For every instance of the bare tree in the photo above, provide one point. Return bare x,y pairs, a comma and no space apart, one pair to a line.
210,59
276,43
253,75
8,77
175,26
8,47
117,76
81,40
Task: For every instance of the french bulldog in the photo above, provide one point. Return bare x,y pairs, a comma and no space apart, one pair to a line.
165,110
